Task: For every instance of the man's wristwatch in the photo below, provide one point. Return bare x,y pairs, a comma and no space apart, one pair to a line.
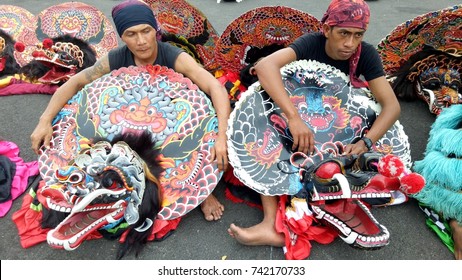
367,142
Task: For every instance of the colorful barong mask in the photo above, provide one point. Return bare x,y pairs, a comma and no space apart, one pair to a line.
55,61
103,186
437,80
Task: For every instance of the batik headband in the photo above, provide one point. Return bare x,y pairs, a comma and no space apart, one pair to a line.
347,13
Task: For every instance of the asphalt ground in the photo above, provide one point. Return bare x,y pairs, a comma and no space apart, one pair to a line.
197,239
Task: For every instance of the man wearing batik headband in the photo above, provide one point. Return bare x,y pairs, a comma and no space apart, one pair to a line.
340,45
137,27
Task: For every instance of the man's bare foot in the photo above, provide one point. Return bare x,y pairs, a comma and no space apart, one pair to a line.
457,237
263,233
212,208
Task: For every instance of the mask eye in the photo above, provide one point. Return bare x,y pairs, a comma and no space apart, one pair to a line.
64,56
432,85
75,178
111,180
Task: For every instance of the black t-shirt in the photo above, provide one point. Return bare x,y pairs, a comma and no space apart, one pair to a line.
312,46
123,57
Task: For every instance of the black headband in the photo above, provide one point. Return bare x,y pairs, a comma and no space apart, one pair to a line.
132,15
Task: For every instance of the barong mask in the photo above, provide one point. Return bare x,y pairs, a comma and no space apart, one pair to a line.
55,60
437,80
101,186
422,58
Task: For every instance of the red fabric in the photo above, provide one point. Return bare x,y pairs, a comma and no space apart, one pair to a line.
298,231
17,87
354,59
162,228
2,63
229,177
24,170
229,195
28,220
238,192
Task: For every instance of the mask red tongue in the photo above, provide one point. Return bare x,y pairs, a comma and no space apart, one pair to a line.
57,75
2,63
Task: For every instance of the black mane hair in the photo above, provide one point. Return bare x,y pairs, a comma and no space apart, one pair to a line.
11,67
252,57
143,144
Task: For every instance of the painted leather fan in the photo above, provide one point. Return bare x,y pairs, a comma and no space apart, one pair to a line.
423,58
183,25
276,26
156,99
335,188
20,25
78,20
438,29
260,143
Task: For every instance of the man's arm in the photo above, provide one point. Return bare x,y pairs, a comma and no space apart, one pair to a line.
186,65
42,132
268,71
391,110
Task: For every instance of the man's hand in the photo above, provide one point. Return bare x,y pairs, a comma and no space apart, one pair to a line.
356,149
41,135
219,152
302,135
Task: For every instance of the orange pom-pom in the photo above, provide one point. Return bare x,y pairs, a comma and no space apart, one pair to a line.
390,166
20,47
47,43
412,183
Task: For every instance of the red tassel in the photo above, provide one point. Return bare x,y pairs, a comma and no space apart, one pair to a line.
20,47
47,43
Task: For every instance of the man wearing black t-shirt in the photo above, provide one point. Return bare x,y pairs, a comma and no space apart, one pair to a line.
340,45
137,27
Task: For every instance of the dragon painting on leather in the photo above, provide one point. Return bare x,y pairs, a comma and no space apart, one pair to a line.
184,26
253,35
338,189
259,139
181,125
